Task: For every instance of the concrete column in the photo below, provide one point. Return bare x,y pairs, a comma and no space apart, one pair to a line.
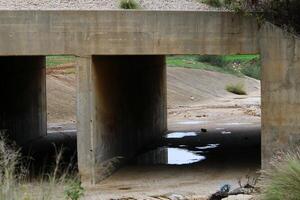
280,54
121,109
23,97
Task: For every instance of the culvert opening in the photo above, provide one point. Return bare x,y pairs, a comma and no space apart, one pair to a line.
213,112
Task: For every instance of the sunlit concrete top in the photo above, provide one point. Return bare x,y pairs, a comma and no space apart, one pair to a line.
126,32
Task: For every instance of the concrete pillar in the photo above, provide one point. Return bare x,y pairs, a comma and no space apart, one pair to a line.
23,97
280,54
121,108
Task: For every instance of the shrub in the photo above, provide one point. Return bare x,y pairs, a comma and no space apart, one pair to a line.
282,179
74,190
212,59
214,3
236,89
252,69
129,4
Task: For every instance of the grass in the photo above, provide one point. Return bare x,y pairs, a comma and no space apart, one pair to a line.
238,89
239,65
193,62
15,184
53,61
282,179
129,4
214,3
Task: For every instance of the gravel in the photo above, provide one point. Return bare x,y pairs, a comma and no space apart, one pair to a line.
100,5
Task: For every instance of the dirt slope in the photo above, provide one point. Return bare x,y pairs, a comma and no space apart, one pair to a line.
186,87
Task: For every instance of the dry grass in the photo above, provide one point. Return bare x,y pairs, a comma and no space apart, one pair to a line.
15,185
282,179
238,89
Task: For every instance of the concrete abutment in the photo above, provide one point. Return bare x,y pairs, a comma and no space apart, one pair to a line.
280,55
121,108
23,113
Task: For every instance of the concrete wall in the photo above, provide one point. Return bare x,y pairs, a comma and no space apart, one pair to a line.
126,32
280,53
23,97
121,108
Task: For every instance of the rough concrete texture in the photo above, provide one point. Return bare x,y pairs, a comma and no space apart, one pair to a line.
100,5
23,97
121,108
126,32
280,53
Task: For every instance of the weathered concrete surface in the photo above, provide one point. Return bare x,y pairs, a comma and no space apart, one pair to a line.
126,32
121,108
23,97
280,54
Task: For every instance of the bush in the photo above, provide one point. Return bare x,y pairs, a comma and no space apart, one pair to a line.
129,4
74,190
252,69
282,179
212,59
214,3
236,89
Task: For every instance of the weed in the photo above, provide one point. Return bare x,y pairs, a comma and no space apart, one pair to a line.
212,59
214,3
236,89
282,179
129,4
74,190
14,183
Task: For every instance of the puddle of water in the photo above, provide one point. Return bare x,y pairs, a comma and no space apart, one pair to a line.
170,156
180,135
235,124
182,156
192,122
209,146
226,132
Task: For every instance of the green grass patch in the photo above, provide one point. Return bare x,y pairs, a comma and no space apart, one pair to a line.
239,65
191,61
238,89
53,61
129,4
214,3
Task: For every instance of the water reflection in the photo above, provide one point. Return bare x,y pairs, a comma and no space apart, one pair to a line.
192,122
171,156
209,146
180,134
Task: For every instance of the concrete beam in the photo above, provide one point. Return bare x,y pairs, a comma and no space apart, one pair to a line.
121,108
126,32
23,97
280,54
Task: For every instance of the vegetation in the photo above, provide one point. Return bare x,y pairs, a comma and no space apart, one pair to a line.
74,191
214,3
238,65
14,178
284,13
53,61
282,180
129,4
238,89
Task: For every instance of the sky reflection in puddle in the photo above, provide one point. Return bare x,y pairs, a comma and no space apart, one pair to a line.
178,156
177,135
192,122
